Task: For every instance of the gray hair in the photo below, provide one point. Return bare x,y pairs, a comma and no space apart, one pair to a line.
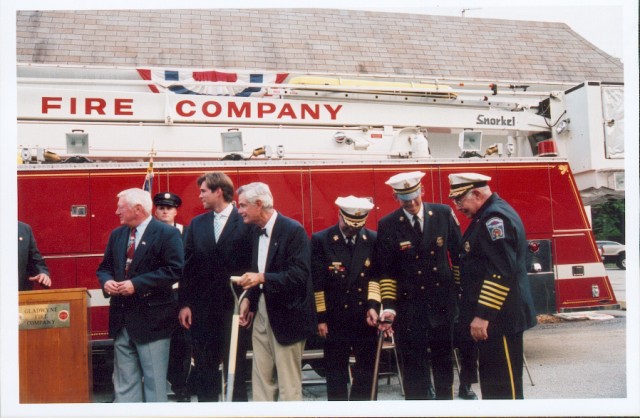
137,197
257,191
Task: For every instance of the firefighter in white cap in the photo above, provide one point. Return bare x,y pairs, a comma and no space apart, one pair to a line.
416,258
341,266
496,301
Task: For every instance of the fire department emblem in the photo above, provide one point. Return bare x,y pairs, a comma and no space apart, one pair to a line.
367,262
496,228
467,246
440,241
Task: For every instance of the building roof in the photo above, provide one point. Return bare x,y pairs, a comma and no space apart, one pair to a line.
315,40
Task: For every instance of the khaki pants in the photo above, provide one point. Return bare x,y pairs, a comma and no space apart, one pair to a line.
277,369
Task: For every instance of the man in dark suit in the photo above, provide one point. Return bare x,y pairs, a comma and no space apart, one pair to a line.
217,246
496,303
416,257
341,266
31,266
167,205
280,294
143,258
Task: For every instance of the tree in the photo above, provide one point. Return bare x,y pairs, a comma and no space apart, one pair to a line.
608,221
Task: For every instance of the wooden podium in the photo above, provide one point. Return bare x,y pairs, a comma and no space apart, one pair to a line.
55,346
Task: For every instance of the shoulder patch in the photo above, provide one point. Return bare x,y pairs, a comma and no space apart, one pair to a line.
496,228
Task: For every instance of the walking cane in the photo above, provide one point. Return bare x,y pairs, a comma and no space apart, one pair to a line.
376,365
233,347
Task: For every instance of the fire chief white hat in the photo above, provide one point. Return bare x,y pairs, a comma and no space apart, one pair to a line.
460,183
354,210
406,185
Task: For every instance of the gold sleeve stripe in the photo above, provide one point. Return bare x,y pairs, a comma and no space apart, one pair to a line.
496,286
388,289
490,299
320,303
374,291
488,304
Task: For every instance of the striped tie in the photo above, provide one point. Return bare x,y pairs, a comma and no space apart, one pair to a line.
217,225
131,247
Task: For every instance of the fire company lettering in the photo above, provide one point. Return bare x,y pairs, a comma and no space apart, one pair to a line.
501,121
96,106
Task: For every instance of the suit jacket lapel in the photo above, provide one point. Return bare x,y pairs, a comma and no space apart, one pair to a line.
230,226
359,255
145,241
426,224
276,232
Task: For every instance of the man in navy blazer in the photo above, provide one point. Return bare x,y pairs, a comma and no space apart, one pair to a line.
142,311
207,304
280,294
31,266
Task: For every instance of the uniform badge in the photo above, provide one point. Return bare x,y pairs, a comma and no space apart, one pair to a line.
496,228
335,238
440,241
467,246
367,262
336,267
401,218
430,213
364,237
405,245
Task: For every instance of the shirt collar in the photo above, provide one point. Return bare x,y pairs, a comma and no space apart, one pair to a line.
226,212
420,214
269,225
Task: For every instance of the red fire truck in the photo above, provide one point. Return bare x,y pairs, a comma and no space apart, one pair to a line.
84,134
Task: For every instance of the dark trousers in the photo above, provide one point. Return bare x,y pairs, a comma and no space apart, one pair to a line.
418,343
501,364
361,340
180,361
468,354
209,354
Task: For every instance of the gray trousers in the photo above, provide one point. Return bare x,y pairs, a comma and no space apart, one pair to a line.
140,370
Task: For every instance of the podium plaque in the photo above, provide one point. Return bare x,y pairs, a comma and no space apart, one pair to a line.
55,347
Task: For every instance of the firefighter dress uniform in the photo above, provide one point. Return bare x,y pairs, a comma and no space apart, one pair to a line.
495,287
416,274
341,271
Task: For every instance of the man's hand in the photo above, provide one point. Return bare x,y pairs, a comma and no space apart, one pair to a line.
323,330
246,316
249,280
479,328
126,288
385,322
372,317
41,278
111,287
185,317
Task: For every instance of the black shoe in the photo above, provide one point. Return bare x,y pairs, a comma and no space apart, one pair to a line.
465,392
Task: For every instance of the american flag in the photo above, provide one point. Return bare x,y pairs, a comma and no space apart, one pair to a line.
148,179
164,80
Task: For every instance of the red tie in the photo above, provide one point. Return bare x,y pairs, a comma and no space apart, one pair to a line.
130,250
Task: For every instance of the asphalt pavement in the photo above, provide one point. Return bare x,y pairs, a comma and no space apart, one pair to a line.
575,366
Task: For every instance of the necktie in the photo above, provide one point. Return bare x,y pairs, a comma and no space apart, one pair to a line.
350,243
416,225
217,225
131,247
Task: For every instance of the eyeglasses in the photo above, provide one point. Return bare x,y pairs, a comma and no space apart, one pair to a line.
458,199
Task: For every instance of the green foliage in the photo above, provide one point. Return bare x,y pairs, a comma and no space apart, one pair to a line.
608,221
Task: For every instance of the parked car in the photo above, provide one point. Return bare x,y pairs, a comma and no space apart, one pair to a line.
613,252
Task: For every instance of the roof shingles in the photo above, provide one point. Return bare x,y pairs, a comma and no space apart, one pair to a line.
314,40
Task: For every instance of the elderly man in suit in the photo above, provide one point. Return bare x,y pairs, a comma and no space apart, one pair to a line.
341,265
143,258
417,258
31,266
217,246
280,294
